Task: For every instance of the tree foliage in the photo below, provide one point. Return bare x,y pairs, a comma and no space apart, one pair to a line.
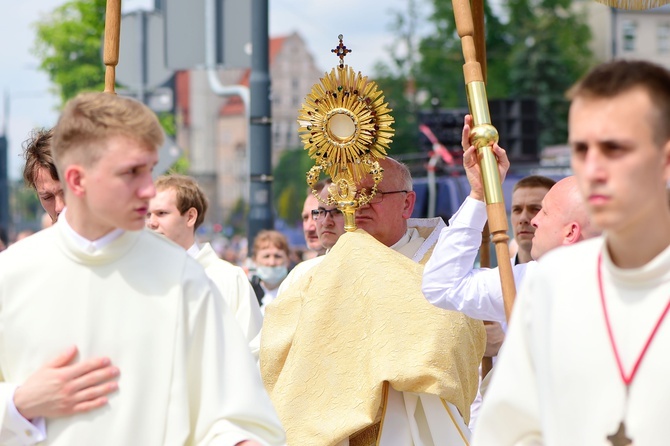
550,53
290,185
441,66
398,79
237,220
68,44
535,48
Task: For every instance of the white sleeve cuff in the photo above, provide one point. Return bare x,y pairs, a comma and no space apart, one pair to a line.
471,214
18,430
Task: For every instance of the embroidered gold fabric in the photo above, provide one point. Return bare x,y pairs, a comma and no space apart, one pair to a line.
355,320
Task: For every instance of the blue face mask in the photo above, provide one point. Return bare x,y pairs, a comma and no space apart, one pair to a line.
271,275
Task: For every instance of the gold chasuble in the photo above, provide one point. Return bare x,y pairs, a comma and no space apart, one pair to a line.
357,320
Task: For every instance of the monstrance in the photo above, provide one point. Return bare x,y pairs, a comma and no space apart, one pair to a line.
346,127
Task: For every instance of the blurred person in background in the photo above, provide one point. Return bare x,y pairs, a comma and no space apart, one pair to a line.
39,172
177,211
309,225
270,254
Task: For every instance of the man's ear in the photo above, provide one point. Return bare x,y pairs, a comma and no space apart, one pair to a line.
75,180
410,200
573,233
191,217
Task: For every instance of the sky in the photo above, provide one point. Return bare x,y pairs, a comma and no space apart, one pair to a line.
28,94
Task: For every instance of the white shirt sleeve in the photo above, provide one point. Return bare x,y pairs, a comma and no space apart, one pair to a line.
16,430
450,280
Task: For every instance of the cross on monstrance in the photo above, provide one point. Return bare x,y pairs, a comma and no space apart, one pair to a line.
340,50
620,438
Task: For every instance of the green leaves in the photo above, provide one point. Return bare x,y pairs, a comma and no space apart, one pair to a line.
69,44
535,48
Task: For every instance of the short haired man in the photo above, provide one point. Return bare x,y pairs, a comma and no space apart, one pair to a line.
117,288
585,358
39,172
329,223
356,328
527,198
449,280
308,223
177,211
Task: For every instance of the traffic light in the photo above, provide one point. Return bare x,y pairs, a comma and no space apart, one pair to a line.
445,124
518,127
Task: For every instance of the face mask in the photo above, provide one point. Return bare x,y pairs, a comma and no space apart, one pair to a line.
271,275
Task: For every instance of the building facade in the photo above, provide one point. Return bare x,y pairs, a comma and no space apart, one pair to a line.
215,130
619,33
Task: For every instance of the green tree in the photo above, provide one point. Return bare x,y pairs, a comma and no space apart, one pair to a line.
549,54
441,66
237,220
397,79
68,44
290,185
538,51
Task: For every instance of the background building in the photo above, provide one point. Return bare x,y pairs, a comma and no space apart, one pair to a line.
618,33
214,130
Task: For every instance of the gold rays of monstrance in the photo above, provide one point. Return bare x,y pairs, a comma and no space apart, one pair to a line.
346,127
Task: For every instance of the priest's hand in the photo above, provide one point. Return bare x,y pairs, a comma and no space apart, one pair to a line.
61,387
471,163
248,443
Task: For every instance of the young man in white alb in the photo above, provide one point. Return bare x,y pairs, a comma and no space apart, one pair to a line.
585,361
177,211
117,289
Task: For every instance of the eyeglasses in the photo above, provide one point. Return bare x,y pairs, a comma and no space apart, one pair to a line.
321,213
379,196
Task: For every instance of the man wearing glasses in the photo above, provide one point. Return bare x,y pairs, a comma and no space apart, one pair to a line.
329,223
357,320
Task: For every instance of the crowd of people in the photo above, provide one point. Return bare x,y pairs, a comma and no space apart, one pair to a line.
119,326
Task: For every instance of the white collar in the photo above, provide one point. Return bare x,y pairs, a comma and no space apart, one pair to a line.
405,239
194,250
84,243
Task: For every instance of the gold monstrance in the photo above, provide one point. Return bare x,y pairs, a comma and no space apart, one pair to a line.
346,127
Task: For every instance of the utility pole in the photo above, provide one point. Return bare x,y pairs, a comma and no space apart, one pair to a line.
260,121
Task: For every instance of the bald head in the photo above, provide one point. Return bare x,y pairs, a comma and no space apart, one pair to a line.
563,219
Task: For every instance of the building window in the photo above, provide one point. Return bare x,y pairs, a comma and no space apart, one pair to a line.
629,31
663,38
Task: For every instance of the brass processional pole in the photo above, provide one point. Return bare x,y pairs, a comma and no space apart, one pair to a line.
345,125
480,49
482,136
111,45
